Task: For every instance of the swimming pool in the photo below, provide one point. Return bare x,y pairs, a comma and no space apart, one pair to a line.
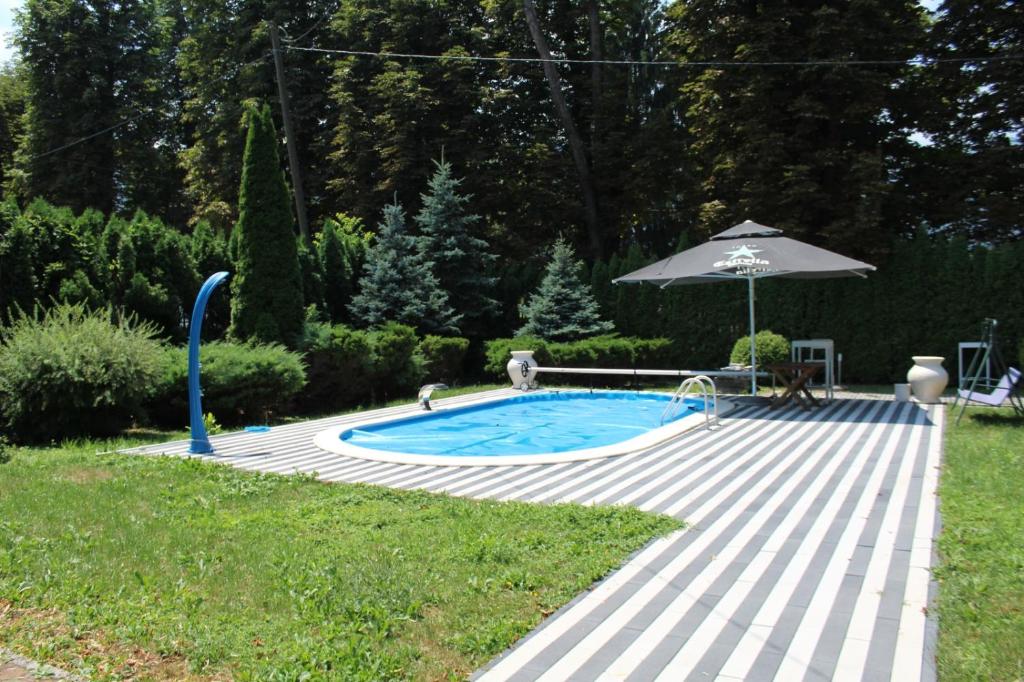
534,428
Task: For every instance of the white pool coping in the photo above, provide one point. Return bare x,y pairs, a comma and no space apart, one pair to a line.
330,440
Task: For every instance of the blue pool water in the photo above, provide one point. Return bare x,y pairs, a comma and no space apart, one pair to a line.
523,425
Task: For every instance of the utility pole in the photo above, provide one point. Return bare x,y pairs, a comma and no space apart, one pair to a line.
289,134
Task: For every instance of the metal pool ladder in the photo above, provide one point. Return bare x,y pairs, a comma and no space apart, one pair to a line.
698,383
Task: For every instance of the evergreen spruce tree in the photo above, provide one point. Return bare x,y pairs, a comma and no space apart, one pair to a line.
562,308
461,259
399,285
267,300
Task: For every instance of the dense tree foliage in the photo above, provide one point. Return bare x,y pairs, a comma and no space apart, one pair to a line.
92,67
973,111
686,116
267,300
803,147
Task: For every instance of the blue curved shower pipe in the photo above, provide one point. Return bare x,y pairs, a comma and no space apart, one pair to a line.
200,440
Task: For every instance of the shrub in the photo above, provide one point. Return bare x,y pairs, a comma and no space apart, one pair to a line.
443,357
240,382
339,363
397,364
69,372
771,347
5,451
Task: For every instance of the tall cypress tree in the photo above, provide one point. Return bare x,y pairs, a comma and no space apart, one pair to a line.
461,258
267,288
562,308
399,285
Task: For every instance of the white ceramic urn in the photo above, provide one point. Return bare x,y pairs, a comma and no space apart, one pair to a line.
927,378
522,369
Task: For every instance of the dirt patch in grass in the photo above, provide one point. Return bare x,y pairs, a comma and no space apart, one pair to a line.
87,652
85,475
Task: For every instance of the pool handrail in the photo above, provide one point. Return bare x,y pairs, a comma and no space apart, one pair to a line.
701,382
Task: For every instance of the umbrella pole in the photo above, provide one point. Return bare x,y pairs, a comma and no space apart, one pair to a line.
753,343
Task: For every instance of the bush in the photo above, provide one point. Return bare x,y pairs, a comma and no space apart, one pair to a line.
771,347
70,372
5,452
339,363
240,382
397,364
443,357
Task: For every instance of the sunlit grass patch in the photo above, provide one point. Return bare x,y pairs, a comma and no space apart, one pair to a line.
981,574
120,566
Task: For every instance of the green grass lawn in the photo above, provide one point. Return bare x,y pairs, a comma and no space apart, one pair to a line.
981,575
155,568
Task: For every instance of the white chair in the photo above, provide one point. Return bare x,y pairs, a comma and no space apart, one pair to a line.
817,350
999,394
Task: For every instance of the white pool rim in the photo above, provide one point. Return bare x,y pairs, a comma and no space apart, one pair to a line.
330,440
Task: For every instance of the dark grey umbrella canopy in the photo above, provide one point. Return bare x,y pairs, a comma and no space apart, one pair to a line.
748,250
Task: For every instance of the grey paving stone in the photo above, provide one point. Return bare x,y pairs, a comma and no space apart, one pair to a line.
765,667
883,644
858,564
653,664
846,597
821,669
710,663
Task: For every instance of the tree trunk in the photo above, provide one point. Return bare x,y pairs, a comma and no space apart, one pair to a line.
596,55
579,155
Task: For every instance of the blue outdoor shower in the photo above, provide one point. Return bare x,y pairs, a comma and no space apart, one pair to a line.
200,444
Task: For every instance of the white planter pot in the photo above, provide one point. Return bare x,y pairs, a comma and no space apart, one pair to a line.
927,378
522,369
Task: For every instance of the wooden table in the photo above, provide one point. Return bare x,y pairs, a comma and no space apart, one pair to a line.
794,377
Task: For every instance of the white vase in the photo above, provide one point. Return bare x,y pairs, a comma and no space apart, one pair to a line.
927,378
522,369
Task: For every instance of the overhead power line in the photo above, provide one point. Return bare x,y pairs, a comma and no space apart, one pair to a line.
921,61
142,112
89,137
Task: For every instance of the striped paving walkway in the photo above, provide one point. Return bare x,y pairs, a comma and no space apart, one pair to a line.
806,557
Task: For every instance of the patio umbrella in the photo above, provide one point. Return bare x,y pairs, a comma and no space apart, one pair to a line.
748,251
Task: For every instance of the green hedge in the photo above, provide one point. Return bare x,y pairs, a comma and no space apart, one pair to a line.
608,352
241,383
69,371
443,358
